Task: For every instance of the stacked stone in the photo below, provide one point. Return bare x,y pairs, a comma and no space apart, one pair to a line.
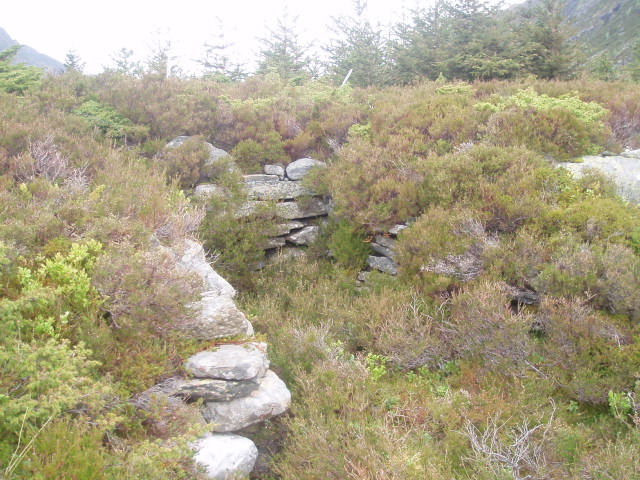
233,381
385,259
238,390
283,186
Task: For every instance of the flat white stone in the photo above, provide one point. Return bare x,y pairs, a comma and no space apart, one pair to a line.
230,362
226,456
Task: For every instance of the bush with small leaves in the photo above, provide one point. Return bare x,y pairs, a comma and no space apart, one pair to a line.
186,162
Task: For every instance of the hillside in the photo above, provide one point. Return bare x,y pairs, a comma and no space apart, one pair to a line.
605,26
29,55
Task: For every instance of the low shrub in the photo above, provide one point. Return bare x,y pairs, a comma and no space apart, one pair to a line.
186,162
483,329
443,247
236,231
251,155
147,294
588,354
563,127
348,246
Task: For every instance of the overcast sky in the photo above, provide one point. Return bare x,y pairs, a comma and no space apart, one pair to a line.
96,30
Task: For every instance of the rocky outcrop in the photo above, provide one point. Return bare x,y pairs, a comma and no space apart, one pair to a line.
216,315
226,456
623,169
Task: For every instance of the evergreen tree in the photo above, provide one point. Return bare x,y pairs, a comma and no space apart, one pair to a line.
479,42
417,49
633,68
17,78
549,48
73,62
217,61
282,52
360,48
604,68
162,62
462,39
125,64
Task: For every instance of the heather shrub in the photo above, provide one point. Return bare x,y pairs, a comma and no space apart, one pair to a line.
147,292
348,245
446,116
606,277
586,353
252,155
484,329
66,449
186,162
374,186
595,219
443,247
236,231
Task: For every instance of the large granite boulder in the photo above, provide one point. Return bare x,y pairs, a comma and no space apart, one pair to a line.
624,170
216,315
271,398
226,456
300,168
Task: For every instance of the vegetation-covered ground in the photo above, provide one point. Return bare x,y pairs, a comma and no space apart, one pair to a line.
434,374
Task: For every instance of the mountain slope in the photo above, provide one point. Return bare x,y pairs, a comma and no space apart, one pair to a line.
604,26
29,55
610,26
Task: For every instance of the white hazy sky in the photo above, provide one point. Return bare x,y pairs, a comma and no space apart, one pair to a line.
96,30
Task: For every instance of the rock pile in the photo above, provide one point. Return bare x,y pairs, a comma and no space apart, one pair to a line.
284,186
385,260
233,381
298,207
